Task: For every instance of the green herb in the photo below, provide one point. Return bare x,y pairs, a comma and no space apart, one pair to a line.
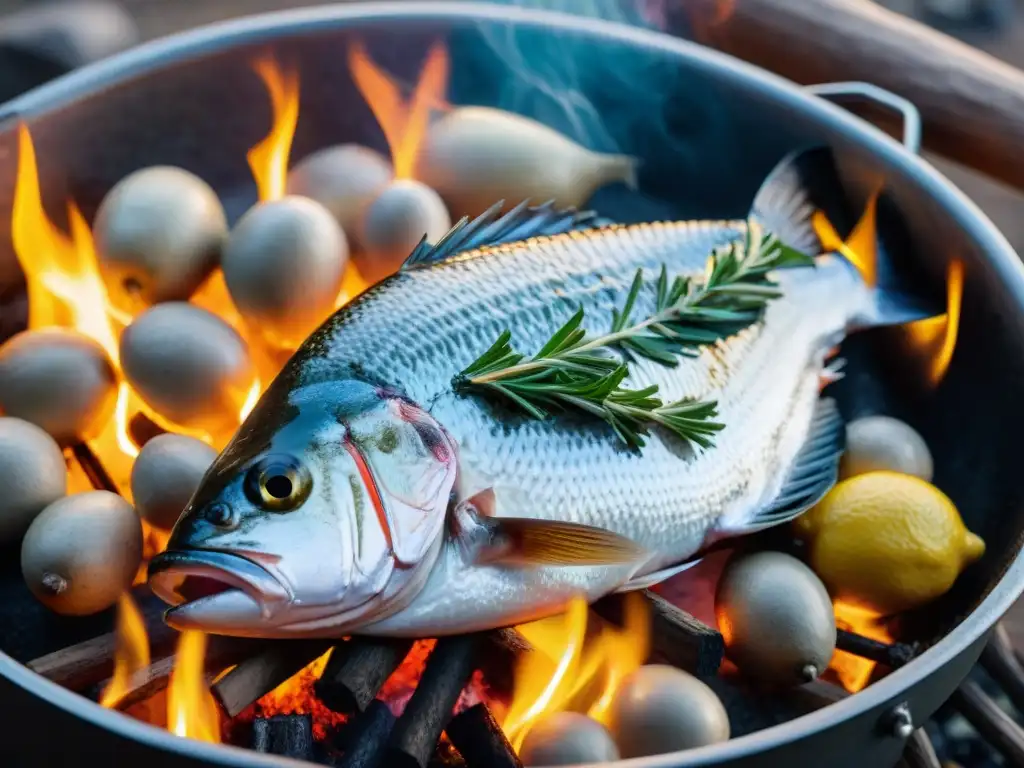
574,371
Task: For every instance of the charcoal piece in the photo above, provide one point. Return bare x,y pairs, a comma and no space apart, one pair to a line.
677,638
285,735
362,742
480,740
414,737
357,670
262,673
892,655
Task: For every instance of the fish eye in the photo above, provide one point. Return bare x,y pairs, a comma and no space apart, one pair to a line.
278,483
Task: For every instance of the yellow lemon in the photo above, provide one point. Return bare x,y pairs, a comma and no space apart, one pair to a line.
887,541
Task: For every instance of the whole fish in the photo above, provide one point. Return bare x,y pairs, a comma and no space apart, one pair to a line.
366,495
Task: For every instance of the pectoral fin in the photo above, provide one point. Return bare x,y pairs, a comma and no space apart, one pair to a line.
525,541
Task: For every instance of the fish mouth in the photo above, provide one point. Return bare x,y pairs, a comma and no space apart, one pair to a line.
215,590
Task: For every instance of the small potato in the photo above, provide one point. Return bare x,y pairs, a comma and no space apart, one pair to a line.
659,709
283,265
82,552
344,179
32,473
567,738
776,617
188,365
165,474
159,233
59,380
396,221
884,443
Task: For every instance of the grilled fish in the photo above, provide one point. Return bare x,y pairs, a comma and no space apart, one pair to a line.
365,495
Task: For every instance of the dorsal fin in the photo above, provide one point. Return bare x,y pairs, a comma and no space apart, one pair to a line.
493,228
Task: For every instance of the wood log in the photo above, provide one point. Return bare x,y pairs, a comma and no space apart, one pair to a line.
357,670
258,675
971,104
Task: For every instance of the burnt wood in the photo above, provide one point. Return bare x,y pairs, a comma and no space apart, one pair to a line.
357,670
260,674
480,740
677,638
363,741
971,104
447,671
285,735
892,655
93,468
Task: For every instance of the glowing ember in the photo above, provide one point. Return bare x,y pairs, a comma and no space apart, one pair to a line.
404,125
295,697
131,653
269,159
191,709
567,671
935,337
853,671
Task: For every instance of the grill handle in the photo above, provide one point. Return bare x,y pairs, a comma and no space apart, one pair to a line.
879,97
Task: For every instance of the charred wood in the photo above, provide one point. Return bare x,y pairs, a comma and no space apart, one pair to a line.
892,655
285,735
260,674
357,670
480,740
447,671
362,742
677,638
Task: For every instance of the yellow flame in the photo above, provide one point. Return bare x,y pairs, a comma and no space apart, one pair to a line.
854,672
936,337
191,709
563,671
404,125
861,248
269,159
131,652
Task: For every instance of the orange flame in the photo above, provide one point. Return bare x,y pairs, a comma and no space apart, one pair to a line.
853,671
191,709
131,653
564,670
65,289
404,125
936,337
269,159
861,248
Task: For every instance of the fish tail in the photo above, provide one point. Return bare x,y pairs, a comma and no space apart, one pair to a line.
804,204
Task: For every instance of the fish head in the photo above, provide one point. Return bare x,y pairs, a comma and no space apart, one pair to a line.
326,512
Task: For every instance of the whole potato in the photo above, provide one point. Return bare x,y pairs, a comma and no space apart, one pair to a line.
165,474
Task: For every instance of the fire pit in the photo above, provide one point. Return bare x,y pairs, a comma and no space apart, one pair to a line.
231,104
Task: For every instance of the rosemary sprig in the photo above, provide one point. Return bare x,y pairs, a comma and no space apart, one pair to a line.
572,370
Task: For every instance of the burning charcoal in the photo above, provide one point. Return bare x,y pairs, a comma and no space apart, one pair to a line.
416,733
659,709
892,655
357,670
344,179
285,735
475,156
158,234
82,552
363,740
480,740
259,675
776,617
59,380
32,473
210,372
165,474
403,214
676,637
283,265
567,738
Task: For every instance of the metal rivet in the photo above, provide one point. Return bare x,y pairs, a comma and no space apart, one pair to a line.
901,723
